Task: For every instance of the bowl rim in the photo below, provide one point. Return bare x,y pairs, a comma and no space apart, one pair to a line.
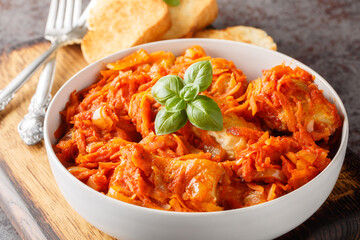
198,41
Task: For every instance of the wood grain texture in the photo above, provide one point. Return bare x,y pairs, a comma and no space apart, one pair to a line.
26,168
15,207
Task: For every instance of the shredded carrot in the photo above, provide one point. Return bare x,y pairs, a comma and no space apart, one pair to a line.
268,146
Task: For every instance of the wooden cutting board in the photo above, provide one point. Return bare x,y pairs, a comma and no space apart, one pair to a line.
35,206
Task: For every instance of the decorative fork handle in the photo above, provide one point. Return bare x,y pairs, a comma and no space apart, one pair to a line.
8,92
31,126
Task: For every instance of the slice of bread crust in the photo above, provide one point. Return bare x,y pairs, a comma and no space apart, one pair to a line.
245,34
190,16
119,24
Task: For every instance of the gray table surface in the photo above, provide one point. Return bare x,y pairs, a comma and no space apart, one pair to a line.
323,34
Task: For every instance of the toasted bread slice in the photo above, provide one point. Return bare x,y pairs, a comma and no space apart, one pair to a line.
190,16
245,34
118,24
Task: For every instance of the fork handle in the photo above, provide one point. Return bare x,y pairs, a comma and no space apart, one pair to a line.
31,126
8,92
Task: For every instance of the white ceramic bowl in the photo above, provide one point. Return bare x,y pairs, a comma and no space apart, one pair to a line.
129,222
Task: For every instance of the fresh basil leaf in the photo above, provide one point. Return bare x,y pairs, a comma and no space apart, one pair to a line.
172,2
199,73
204,113
167,87
168,122
189,92
175,104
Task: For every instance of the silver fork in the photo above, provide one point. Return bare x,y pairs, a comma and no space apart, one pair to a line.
62,38
63,16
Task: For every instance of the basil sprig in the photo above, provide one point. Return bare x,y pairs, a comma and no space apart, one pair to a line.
164,119
172,2
167,87
182,102
204,113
